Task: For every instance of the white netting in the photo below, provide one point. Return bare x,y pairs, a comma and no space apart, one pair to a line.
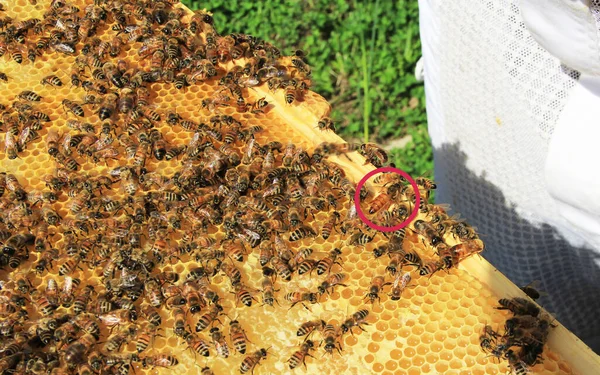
493,98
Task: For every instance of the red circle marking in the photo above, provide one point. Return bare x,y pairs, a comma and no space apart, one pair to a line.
410,218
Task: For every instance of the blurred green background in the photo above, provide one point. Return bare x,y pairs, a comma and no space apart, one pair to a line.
362,55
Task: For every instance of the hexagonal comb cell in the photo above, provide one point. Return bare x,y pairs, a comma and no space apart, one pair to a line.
159,194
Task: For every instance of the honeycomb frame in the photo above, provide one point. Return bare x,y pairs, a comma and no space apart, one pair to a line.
418,334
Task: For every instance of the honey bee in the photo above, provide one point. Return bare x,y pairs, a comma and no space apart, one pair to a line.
3,77
256,107
426,230
251,361
76,350
181,81
81,126
396,262
425,183
113,74
301,296
531,354
13,122
380,202
519,306
178,316
67,295
69,265
312,204
216,101
487,339
40,116
153,292
10,146
377,285
355,320
67,161
73,107
463,231
531,290
235,250
29,96
243,295
301,232
306,265
233,273
197,344
527,330
299,258
87,140
219,342
193,297
66,332
331,282
515,364
27,135
282,268
458,252
373,154
430,268
16,53
399,284
115,317
309,327
288,154
209,318
173,152
326,149
325,264
82,299
325,123
22,283
268,291
129,182
45,261
52,141
51,80
290,95
201,21
148,113
237,336
359,239
116,340
331,336
17,242
107,106
160,360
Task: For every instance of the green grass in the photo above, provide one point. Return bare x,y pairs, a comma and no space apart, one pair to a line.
362,56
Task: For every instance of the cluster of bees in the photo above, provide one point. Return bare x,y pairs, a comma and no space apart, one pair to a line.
525,334
22,121
232,201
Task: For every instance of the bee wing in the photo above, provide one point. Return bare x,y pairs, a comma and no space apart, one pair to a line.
9,141
103,142
68,284
195,140
249,149
66,141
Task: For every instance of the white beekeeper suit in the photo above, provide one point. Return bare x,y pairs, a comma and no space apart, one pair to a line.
513,103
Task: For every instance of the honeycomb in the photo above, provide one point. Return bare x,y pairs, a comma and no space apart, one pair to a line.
434,327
